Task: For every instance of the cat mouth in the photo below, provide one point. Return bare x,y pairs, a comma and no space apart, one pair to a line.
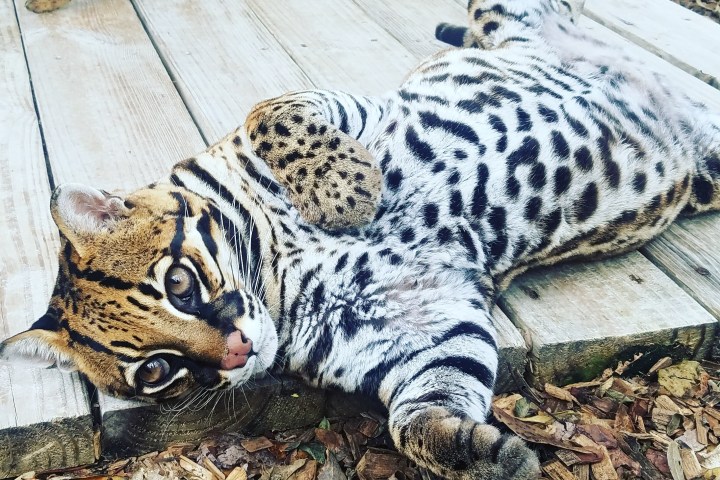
238,350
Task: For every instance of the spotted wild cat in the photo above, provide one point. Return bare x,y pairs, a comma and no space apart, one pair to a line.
361,242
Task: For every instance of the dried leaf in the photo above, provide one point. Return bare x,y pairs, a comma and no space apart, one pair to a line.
283,472
533,433
623,422
331,440
523,408
557,471
600,435
307,472
378,464
252,445
559,393
684,379
331,470
620,459
324,424
673,424
658,459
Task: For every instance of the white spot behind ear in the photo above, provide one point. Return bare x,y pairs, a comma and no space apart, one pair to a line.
34,349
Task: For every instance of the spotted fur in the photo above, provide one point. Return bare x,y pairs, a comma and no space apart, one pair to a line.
531,145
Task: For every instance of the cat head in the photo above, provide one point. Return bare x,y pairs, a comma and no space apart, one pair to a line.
149,301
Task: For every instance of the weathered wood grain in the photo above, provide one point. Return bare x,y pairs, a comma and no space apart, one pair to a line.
688,253
680,36
414,27
337,45
582,318
112,117
219,85
683,81
45,419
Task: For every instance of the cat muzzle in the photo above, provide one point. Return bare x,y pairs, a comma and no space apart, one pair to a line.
238,350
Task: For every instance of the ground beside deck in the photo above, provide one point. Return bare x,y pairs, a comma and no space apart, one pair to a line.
113,92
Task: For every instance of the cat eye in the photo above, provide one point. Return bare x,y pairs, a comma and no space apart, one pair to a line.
180,283
153,371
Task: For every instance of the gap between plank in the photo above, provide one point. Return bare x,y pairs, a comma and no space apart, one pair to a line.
48,168
169,72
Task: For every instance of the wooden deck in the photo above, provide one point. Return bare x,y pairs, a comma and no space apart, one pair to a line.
113,92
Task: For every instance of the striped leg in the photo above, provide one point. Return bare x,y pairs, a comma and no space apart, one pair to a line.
495,23
315,144
438,398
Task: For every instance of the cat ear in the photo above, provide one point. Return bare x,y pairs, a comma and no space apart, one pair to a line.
37,347
81,212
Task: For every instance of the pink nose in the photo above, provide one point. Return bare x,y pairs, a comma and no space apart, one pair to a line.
238,347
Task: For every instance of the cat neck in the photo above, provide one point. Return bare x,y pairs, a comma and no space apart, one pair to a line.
269,243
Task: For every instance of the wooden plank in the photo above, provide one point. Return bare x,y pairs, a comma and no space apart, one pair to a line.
45,419
680,36
111,118
337,45
111,114
584,317
685,251
513,353
223,58
414,27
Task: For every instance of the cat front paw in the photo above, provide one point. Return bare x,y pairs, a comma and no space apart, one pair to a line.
460,448
500,457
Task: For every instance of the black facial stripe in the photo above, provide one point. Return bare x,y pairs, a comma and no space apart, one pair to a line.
81,339
123,344
94,275
203,227
226,195
149,290
135,302
179,237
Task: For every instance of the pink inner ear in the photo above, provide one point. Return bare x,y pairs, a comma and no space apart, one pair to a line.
99,206
84,209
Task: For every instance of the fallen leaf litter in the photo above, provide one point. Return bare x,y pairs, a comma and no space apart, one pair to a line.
663,424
